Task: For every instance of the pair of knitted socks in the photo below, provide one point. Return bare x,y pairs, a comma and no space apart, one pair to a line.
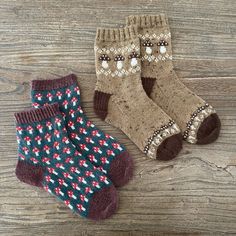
60,150
138,91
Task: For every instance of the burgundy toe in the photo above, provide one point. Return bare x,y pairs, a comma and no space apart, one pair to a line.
169,148
209,130
121,169
103,204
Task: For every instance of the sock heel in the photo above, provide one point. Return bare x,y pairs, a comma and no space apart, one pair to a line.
29,174
100,104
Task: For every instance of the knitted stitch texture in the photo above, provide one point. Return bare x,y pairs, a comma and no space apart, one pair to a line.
197,119
47,158
101,149
120,99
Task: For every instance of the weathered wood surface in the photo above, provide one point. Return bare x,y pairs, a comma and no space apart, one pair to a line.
193,194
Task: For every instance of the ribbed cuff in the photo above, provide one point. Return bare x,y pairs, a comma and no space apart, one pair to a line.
37,114
117,34
145,21
50,84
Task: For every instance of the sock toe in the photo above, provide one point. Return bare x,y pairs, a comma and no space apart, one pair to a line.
209,130
169,148
121,169
103,204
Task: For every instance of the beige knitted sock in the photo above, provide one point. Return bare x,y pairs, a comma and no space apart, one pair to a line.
120,99
197,120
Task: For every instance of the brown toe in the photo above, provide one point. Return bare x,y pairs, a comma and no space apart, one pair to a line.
209,130
170,148
103,204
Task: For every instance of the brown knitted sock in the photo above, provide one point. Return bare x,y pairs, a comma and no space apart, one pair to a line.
197,120
120,99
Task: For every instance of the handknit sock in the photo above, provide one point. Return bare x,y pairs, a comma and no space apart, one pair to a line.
198,120
47,159
120,100
100,148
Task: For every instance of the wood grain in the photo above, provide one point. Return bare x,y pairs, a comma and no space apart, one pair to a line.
195,194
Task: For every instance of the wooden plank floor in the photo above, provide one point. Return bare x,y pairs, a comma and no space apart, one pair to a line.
195,194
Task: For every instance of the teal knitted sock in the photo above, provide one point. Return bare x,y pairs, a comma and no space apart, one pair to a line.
46,158
101,149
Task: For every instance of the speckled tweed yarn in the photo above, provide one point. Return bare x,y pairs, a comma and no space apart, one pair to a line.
120,99
197,119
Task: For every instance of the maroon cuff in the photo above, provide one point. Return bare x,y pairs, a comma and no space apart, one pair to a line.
50,84
37,114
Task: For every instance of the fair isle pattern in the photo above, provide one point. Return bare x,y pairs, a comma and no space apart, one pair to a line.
119,56
196,119
119,73
98,147
114,50
158,137
156,59
68,175
166,35
155,55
